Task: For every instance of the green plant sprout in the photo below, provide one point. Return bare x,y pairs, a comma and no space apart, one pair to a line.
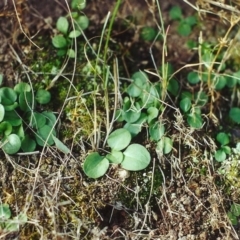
185,24
7,224
64,40
234,213
221,154
21,126
134,158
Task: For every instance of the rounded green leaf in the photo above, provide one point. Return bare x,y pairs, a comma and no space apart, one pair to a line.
184,29
8,96
223,138
220,155
12,144
43,134
185,104
71,53
175,13
193,78
115,157
59,41
83,22
234,114
152,113
43,96
22,87
74,34
2,112
148,33
173,87
95,166
235,208
28,144
62,25
136,157
119,139
195,120
220,82
164,145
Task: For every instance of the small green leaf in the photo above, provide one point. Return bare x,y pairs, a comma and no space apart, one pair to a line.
232,218
220,155
220,82
184,29
235,209
11,144
193,78
60,145
95,166
13,225
74,34
148,33
38,120
44,136
185,104
50,117
71,53
152,113
119,139
195,120
175,13
26,101
83,22
43,96
234,114
156,131
28,144
136,157
115,157
62,25
22,87
173,87
8,96
78,4
223,138
5,212
164,145
59,41
5,128
132,114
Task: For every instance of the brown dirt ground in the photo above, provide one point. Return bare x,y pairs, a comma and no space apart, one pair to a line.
190,206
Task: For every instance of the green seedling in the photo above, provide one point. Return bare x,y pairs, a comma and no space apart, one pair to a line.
234,213
221,154
8,224
64,40
133,157
148,34
185,24
22,128
191,105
